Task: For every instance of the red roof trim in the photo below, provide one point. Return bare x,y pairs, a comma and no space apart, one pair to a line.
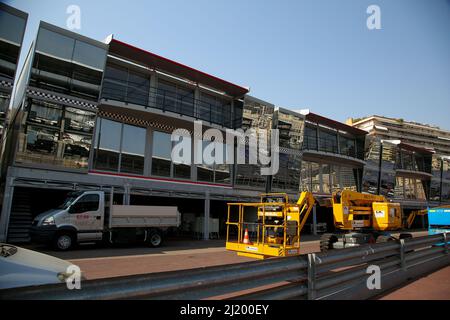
334,124
179,64
410,147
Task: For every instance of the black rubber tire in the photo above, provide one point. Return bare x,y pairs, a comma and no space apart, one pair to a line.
63,241
155,238
326,242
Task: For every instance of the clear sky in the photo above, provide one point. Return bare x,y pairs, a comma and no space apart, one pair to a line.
313,54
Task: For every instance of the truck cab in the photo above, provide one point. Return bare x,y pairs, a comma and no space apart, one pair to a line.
79,219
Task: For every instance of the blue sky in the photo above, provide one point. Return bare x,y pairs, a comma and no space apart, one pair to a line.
312,54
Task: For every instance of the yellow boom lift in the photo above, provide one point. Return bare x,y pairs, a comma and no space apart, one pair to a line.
271,228
274,224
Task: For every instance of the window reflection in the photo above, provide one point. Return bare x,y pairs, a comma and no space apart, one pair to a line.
181,170
76,149
46,114
347,146
63,64
219,171
327,141
108,145
40,140
133,149
310,139
162,148
47,140
79,120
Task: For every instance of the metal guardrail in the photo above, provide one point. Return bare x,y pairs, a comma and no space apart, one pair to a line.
339,274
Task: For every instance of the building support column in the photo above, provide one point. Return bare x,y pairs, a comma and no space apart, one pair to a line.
6,209
206,217
126,194
315,220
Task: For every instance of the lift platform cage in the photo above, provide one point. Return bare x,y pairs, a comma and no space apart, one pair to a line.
270,228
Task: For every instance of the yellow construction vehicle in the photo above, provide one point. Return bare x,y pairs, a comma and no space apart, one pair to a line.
270,228
361,218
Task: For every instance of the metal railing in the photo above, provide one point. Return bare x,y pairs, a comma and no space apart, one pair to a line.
339,274
147,96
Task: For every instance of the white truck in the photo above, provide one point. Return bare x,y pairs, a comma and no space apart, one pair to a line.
89,216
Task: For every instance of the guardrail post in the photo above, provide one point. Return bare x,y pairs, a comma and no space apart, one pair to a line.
445,242
311,276
402,254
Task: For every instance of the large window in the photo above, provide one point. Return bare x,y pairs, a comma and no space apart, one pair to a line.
79,120
49,138
182,170
45,114
162,148
76,149
214,109
216,172
310,139
4,103
67,65
133,149
347,146
41,140
107,145
174,97
328,141
12,28
119,147
138,88
327,178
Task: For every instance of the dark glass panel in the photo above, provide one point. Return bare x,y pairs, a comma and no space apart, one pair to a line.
162,148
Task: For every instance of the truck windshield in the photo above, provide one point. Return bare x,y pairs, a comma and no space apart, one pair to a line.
71,197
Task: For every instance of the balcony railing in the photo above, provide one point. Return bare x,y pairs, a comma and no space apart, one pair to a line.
330,146
164,100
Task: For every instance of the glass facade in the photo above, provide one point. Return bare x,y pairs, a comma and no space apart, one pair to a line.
133,86
218,172
49,137
161,155
119,147
393,182
327,178
12,28
291,128
67,65
319,138
257,115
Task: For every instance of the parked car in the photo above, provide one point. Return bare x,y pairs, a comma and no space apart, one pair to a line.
20,267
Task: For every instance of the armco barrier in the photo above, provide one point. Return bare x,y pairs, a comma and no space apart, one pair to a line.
339,274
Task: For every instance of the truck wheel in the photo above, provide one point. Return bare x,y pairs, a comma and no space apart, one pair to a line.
326,242
63,242
155,239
